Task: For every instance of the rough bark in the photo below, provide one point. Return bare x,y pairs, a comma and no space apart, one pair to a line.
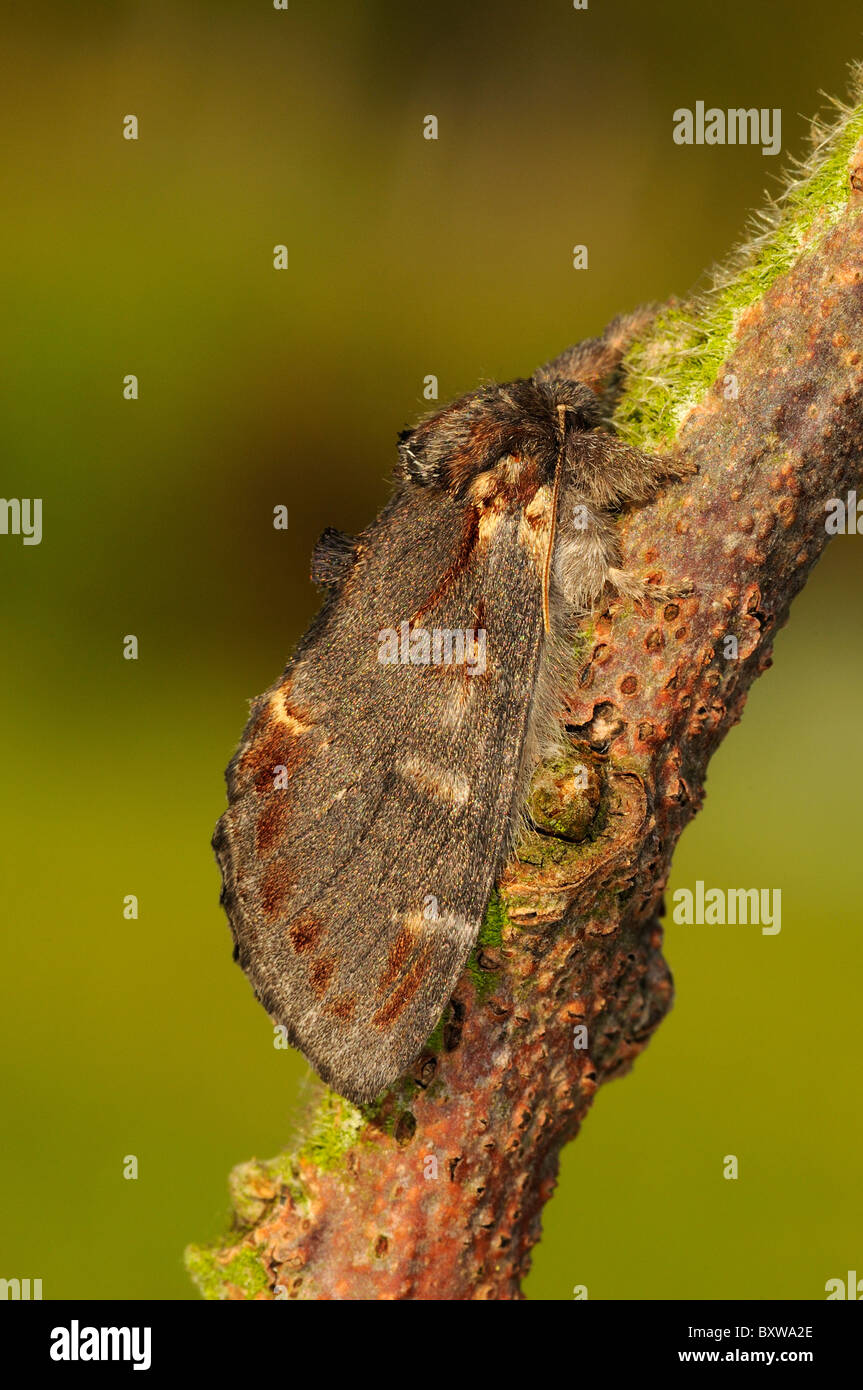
574,935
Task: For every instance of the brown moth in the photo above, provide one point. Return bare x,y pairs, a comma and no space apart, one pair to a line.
381,781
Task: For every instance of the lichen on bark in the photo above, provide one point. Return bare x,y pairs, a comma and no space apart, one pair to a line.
436,1191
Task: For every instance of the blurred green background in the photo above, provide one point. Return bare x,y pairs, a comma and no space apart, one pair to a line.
258,387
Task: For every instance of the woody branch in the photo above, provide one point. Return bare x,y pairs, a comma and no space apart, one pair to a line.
436,1192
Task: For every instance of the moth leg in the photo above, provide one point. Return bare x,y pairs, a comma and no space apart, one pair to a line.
613,474
642,590
644,475
668,468
598,362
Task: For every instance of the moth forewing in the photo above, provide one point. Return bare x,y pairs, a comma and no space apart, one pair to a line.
397,786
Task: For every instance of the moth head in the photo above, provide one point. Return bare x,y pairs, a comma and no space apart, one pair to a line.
522,419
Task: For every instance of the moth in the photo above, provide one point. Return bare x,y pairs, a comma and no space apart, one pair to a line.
381,782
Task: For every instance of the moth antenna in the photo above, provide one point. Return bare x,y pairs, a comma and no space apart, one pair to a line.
546,569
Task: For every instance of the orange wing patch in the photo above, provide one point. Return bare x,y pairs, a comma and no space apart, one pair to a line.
402,994
275,888
272,823
343,1007
305,933
321,971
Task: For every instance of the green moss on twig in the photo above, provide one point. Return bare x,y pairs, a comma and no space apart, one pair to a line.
335,1127
214,1278
490,936
669,372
